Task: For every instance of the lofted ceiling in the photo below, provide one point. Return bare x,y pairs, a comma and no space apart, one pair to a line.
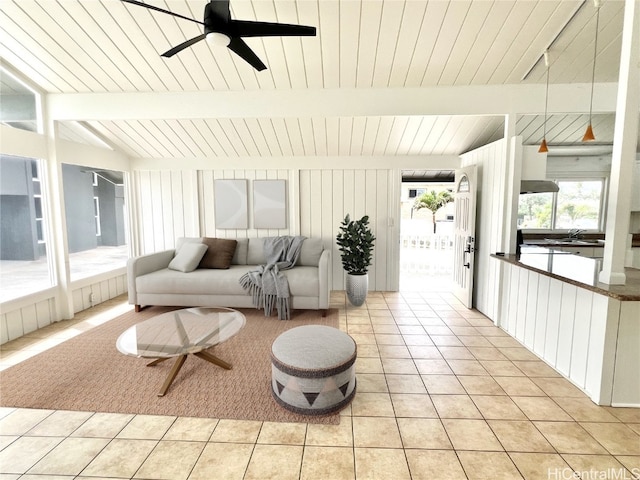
107,46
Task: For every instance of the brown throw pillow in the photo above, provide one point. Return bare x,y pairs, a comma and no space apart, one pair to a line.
219,253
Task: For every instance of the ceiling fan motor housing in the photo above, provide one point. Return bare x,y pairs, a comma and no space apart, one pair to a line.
214,23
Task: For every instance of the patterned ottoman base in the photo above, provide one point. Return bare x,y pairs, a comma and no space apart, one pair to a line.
312,369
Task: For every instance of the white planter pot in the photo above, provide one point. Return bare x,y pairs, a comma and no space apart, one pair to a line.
357,287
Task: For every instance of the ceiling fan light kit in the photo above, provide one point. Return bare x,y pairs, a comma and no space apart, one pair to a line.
216,39
221,30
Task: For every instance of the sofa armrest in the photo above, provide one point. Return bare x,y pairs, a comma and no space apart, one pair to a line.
323,273
144,264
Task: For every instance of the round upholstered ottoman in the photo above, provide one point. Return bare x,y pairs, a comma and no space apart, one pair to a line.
312,369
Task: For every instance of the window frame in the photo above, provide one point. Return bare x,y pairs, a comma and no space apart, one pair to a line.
582,177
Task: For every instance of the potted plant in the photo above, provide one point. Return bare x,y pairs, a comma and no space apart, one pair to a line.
355,242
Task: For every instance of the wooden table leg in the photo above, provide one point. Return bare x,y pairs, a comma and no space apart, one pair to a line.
213,359
157,361
172,374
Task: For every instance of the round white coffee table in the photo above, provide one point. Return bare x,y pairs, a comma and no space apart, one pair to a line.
180,333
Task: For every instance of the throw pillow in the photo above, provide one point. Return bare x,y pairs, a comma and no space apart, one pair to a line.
188,257
219,252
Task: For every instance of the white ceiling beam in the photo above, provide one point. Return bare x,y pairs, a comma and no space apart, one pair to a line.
405,162
460,100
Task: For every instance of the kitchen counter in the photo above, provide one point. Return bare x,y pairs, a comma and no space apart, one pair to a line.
551,302
565,243
579,271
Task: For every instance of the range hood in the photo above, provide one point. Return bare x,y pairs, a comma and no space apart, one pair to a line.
538,186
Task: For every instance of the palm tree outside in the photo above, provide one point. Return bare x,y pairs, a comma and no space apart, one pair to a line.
433,201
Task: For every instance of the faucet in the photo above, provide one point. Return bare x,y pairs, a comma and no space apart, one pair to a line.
576,233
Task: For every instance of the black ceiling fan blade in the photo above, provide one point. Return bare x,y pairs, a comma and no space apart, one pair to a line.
162,10
239,47
246,28
183,45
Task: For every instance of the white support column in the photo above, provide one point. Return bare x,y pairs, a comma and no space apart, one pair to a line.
625,140
59,251
512,174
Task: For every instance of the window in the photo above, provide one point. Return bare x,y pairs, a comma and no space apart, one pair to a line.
577,204
18,104
95,211
23,247
37,201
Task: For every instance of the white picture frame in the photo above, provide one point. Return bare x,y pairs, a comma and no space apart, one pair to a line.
269,204
231,204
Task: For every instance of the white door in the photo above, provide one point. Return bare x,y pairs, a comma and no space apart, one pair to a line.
464,236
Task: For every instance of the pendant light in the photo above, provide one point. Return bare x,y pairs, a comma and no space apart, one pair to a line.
588,135
543,146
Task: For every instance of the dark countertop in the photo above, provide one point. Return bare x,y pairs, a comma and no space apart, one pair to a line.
559,243
542,239
576,270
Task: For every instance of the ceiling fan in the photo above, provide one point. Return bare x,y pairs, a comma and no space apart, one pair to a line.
220,29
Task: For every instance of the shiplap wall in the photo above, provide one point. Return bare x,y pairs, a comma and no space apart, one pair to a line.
26,315
166,207
491,169
102,291
181,203
326,196
589,338
21,320
207,218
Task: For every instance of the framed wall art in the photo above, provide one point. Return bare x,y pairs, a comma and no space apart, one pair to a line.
269,204
231,205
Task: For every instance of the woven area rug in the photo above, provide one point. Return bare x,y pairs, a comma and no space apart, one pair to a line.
87,373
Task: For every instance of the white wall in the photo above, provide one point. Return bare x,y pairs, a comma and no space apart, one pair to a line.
326,196
165,207
589,338
25,315
175,203
207,217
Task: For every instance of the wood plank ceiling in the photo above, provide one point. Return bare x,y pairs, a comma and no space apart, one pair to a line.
68,46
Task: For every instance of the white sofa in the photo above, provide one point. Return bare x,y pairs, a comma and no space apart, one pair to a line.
150,282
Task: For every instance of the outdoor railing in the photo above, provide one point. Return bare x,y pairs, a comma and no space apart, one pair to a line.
433,241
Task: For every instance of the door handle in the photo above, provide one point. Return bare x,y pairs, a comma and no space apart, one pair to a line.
464,254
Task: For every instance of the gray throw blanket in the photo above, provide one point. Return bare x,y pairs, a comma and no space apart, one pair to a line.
267,285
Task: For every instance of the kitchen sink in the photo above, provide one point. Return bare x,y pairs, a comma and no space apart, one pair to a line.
578,241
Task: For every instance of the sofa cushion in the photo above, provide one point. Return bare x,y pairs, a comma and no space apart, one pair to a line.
303,281
255,252
188,257
310,252
219,253
180,241
240,257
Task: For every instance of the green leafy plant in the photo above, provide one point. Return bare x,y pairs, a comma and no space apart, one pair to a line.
433,201
355,242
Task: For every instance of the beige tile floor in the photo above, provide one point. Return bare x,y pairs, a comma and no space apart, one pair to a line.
442,394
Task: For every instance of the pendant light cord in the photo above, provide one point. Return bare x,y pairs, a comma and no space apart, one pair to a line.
546,102
595,53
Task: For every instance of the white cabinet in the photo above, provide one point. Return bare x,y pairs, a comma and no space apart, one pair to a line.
583,251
